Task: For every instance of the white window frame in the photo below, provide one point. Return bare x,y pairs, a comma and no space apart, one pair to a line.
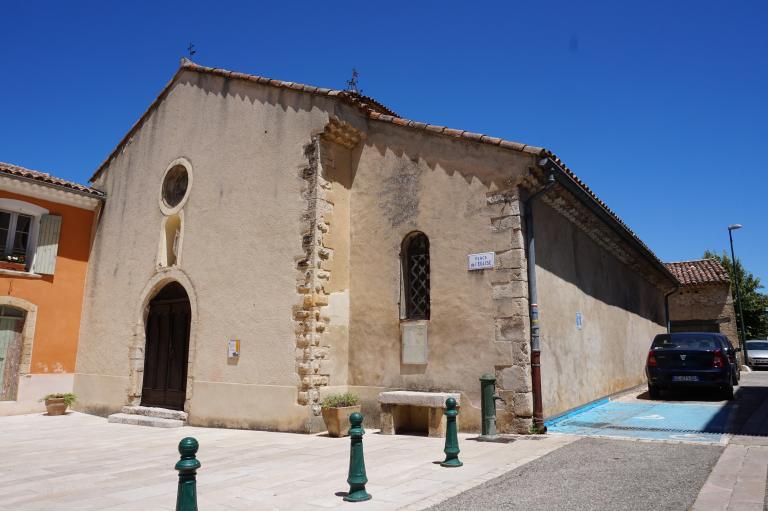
15,208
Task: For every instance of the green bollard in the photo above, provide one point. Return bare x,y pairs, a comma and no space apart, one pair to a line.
357,477
451,435
186,497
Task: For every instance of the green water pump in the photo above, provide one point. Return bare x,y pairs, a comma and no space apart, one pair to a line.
488,405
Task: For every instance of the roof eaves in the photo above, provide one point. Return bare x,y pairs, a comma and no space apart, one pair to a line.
613,220
18,173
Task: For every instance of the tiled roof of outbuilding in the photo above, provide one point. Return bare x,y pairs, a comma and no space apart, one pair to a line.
377,111
699,272
35,175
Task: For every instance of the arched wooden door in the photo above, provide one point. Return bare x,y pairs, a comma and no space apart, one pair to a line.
167,349
11,324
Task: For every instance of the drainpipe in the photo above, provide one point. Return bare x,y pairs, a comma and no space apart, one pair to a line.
666,308
538,407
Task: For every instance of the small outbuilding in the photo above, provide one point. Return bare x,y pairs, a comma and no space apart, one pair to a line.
704,302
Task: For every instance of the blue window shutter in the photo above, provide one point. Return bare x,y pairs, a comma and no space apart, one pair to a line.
47,245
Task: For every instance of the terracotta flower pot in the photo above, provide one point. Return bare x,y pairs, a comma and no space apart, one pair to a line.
337,420
56,406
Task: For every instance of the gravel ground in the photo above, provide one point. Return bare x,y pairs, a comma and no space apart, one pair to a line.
598,474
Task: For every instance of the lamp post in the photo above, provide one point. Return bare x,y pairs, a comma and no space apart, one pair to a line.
766,318
732,228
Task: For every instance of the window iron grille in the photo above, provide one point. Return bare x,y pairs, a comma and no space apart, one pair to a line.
416,273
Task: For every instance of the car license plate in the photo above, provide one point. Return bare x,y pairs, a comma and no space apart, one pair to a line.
685,378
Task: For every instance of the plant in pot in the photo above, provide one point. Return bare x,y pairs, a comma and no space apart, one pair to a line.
13,262
336,411
57,404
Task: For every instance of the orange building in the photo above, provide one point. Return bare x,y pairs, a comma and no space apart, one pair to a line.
46,226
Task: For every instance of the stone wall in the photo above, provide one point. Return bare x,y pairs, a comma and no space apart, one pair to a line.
509,289
310,360
713,302
322,314
463,197
620,309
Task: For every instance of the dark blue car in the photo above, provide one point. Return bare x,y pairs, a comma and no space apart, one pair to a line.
695,359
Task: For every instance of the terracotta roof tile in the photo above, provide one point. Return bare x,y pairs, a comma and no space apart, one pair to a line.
699,272
475,137
9,169
490,140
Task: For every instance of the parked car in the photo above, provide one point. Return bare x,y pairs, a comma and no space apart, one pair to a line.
692,359
757,353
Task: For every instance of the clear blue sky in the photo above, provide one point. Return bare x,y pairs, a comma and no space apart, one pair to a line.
660,107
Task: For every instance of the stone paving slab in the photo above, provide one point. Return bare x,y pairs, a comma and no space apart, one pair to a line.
81,462
737,482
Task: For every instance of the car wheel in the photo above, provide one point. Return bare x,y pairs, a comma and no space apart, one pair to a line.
654,392
728,392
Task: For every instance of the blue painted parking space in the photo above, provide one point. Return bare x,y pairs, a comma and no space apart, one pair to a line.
691,422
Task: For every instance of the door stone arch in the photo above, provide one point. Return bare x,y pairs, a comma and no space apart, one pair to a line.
27,332
137,349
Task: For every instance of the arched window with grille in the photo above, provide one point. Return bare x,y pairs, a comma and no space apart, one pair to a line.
415,262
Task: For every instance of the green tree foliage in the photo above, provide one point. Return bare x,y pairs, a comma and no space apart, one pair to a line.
754,302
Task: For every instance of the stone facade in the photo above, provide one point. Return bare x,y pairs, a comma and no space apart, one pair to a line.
696,306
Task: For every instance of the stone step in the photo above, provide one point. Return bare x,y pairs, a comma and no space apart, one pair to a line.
160,413
144,420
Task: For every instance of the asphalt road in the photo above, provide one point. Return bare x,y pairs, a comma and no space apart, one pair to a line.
598,474
605,474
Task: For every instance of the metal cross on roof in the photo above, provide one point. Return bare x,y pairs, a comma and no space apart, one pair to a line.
352,82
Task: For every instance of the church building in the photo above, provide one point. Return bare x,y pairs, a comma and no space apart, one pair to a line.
265,243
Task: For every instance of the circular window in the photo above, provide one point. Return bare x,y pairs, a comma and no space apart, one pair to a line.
175,186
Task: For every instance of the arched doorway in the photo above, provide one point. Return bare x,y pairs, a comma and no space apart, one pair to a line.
11,326
167,348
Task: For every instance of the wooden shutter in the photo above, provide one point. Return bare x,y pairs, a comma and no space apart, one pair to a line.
47,244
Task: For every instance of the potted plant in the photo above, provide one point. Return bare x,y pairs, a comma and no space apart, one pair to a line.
57,404
13,262
336,411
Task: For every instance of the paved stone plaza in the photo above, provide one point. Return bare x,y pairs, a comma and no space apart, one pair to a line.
81,462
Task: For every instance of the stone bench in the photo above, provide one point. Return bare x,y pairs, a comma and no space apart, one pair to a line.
403,408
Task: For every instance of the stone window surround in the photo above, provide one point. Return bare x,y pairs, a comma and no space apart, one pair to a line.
165,208
16,207
27,333
136,349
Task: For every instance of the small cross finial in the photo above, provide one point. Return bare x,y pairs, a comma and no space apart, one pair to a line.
191,50
352,83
